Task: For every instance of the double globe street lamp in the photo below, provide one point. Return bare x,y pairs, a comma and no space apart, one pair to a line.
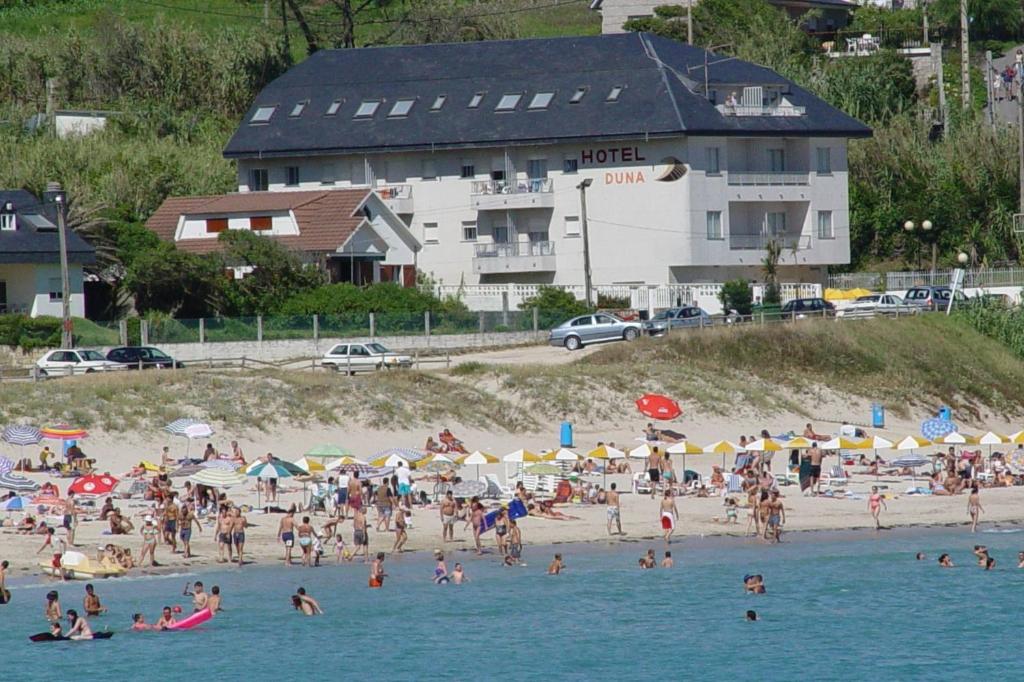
926,229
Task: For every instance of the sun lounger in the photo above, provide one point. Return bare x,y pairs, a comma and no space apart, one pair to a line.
641,483
836,477
495,490
734,485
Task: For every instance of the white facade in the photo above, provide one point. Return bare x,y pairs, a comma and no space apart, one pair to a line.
35,289
683,209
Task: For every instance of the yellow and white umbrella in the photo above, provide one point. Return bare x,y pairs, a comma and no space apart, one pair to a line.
1017,438
561,455
342,461
521,456
723,447
310,465
641,451
606,452
913,443
956,438
392,460
477,458
684,448
798,443
874,443
992,438
840,443
763,445
438,457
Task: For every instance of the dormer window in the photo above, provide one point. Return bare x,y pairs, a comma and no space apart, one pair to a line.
8,219
333,109
298,108
263,114
613,94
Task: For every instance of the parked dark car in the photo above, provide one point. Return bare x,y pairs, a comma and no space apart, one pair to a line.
151,358
808,307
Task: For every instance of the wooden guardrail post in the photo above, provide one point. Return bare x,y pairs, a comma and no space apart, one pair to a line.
259,329
202,330
373,325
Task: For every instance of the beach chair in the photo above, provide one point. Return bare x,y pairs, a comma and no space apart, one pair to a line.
641,483
495,490
531,482
734,485
836,477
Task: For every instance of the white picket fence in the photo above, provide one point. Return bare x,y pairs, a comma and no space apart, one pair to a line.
498,297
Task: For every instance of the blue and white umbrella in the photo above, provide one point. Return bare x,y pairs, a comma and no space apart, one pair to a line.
18,484
178,426
276,468
6,465
18,503
934,429
22,434
911,462
408,454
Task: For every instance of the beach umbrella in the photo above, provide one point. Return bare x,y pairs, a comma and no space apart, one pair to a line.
229,464
93,484
911,462
326,451
874,443
477,458
798,443
217,478
561,455
187,470
405,454
6,464
684,448
17,503
760,445
936,428
392,460
310,465
723,447
913,443
658,406
542,469
840,443
18,484
520,456
606,452
436,457
956,438
62,432
992,438
642,451
1017,438
468,489
275,468
362,468
21,434
178,426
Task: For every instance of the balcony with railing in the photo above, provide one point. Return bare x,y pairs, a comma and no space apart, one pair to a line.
490,259
760,110
398,198
783,179
910,43
759,242
500,195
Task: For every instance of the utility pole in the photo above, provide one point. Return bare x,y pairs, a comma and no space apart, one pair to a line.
588,286
965,56
924,24
689,22
940,85
266,12
65,282
284,28
989,94
1020,145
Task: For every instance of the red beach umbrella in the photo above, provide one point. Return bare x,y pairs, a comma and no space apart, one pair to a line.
93,484
658,406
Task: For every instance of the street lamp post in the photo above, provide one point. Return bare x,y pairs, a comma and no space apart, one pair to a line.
587,283
926,228
65,282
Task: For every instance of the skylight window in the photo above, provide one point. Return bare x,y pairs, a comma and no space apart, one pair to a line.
613,94
298,108
578,95
475,100
262,114
541,100
367,109
333,109
438,103
508,102
401,108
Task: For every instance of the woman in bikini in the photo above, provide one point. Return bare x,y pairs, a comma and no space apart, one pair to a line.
974,507
150,535
875,504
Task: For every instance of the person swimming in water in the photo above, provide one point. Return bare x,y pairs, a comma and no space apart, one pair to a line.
79,626
458,575
556,566
139,622
754,584
945,561
751,615
920,556
377,573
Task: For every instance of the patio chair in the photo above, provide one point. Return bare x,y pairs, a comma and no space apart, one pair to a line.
641,483
495,490
734,485
836,477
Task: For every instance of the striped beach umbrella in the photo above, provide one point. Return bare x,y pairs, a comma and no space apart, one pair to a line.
405,454
327,451
178,426
217,478
275,468
18,484
18,503
21,434
63,432
227,464
6,465
361,468
187,470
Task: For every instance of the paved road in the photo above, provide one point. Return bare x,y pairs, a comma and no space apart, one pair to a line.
1006,110
527,355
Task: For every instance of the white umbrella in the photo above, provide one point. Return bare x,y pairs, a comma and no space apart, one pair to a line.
520,456
641,451
992,438
875,443
913,443
562,455
724,447
217,478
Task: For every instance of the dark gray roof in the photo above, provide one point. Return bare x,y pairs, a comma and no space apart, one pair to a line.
661,97
35,240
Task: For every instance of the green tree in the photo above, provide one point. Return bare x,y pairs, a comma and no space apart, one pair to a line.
770,268
736,295
989,19
554,305
181,284
274,273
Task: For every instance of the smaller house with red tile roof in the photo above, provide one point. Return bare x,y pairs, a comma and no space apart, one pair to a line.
350,233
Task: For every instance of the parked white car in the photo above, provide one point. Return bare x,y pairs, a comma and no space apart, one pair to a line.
67,361
877,304
363,357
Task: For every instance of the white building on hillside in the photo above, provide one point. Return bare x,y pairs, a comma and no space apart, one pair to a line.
481,149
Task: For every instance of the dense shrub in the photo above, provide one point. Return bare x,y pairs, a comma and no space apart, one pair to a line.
736,295
25,332
376,298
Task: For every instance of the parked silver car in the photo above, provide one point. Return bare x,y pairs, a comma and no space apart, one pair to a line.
677,318
877,304
596,328
363,357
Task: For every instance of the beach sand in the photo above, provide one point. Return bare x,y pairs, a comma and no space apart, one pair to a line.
117,453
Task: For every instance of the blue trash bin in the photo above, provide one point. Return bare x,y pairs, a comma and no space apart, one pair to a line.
565,435
878,415
946,413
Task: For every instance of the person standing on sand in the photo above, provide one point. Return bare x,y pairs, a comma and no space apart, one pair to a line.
669,514
654,468
71,518
815,454
974,507
305,533
354,493
170,522
238,524
224,535
448,511
360,535
385,506
875,504
188,517
404,484
613,511
286,533
477,519
400,534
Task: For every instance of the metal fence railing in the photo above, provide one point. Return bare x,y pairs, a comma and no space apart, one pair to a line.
902,280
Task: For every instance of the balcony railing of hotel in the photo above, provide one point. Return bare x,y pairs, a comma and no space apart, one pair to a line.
531,186
395,192
862,44
758,242
766,110
783,178
513,249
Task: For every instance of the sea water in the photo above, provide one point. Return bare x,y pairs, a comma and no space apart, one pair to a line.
839,606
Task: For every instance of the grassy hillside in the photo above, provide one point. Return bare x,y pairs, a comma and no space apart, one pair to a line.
918,363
